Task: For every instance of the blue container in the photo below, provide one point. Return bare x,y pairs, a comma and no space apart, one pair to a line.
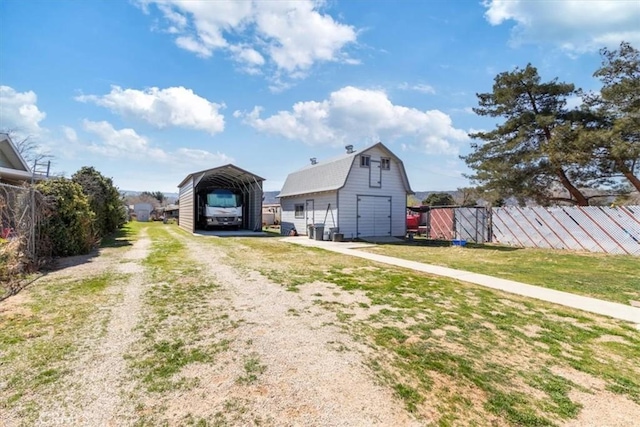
458,242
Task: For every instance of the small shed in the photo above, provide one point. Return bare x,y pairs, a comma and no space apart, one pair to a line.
358,194
171,211
229,177
142,211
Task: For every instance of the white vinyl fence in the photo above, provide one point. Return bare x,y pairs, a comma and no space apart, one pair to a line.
614,230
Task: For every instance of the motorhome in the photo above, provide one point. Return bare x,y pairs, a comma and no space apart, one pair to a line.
220,207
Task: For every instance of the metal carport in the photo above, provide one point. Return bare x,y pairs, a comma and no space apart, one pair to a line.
227,176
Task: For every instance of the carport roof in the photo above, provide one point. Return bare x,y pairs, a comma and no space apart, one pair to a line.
223,176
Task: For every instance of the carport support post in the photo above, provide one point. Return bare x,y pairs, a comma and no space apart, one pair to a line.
258,225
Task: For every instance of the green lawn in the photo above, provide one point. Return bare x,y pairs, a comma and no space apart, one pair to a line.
453,353
610,277
471,355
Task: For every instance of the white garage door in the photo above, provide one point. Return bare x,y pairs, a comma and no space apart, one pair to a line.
374,216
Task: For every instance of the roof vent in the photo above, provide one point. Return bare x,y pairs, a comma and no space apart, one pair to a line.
313,160
349,149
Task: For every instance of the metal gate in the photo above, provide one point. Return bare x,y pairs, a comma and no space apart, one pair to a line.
472,224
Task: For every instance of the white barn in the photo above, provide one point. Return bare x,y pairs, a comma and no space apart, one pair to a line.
359,194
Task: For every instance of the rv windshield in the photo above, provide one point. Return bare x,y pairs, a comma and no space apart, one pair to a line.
223,199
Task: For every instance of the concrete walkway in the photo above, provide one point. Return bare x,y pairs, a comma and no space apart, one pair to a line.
593,305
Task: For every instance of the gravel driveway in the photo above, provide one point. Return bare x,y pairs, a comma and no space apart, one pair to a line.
288,362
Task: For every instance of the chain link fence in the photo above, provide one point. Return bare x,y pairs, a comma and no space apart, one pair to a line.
448,223
21,249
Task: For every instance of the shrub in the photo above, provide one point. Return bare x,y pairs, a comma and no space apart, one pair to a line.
104,199
69,224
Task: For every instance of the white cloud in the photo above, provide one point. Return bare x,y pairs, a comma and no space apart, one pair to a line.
574,102
189,156
298,35
250,59
19,112
290,36
192,45
174,106
423,88
465,110
127,144
574,25
120,143
70,134
351,114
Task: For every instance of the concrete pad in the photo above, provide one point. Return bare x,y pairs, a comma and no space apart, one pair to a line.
231,233
325,244
592,305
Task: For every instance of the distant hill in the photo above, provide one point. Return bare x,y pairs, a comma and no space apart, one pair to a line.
421,195
168,197
270,197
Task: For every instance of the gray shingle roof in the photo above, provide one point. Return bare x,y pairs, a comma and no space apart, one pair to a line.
323,176
329,175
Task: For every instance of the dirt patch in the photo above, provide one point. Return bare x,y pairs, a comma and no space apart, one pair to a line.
532,331
488,325
514,304
604,409
15,306
438,333
612,338
311,371
580,378
354,303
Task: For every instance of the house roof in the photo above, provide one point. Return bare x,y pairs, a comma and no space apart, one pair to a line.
17,168
331,174
229,176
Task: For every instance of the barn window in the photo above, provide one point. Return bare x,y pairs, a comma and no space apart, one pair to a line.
299,211
385,163
365,161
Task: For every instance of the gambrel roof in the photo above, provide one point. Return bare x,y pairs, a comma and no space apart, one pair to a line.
12,166
332,174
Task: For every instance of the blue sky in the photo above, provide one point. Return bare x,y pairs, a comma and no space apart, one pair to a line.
148,91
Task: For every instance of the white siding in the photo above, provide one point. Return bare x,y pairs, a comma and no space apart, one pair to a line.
186,211
325,211
358,185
